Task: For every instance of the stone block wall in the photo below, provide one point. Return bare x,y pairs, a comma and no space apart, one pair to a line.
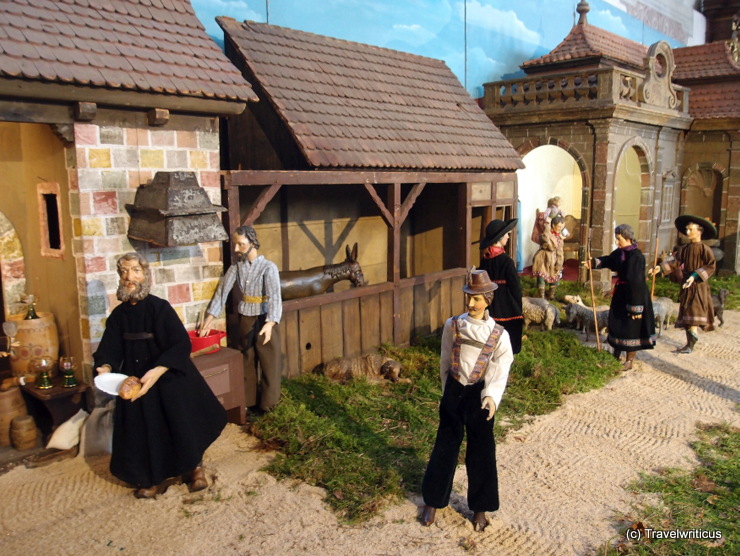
107,165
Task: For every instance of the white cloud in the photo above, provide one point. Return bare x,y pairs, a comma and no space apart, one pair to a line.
208,10
412,34
504,22
606,20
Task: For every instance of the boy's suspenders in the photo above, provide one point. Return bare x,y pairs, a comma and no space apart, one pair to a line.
484,356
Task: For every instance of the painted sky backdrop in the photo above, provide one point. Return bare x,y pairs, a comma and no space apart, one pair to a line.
479,40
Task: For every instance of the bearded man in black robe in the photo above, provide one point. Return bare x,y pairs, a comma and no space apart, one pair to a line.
164,430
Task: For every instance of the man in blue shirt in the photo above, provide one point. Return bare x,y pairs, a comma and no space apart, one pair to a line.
260,310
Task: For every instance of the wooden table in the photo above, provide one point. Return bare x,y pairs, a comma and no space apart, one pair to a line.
53,406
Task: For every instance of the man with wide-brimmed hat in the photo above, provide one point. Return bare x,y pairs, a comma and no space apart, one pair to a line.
474,367
692,265
506,307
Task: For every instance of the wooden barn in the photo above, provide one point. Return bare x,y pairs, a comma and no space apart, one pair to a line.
351,143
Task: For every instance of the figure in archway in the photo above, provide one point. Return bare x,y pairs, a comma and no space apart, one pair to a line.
547,265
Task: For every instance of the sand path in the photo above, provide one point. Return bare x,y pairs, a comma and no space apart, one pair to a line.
562,477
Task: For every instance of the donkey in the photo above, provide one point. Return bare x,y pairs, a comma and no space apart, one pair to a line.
316,280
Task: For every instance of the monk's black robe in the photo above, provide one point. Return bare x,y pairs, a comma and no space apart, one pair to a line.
631,297
165,432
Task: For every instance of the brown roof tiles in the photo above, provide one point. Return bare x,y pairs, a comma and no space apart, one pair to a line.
588,42
705,61
354,105
713,76
147,45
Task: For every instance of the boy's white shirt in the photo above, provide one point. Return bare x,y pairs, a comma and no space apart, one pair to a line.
497,371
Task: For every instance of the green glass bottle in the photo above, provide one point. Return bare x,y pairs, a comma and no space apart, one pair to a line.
31,312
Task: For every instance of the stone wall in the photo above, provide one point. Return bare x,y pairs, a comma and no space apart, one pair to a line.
107,163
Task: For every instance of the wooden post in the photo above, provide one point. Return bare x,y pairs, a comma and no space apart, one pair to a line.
593,296
394,257
655,261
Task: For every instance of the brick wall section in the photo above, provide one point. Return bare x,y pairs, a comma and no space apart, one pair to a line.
108,165
720,152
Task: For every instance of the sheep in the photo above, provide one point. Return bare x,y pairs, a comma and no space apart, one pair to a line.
539,311
575,311
664,309
578,322
719,304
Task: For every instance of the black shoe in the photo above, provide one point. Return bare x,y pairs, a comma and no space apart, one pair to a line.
427,515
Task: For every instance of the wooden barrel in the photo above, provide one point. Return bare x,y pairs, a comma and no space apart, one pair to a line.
11,406
23,432
36,337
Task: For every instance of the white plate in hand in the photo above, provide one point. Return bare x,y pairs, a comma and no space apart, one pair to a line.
110,383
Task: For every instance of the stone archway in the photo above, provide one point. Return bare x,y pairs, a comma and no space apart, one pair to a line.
702,191
554,168
632,190
12,266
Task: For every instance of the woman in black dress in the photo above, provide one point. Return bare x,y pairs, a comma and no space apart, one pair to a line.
631,318
506,308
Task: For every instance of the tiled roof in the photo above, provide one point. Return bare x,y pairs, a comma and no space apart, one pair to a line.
153,46
713,77
588,42
354,105
715,100
711,61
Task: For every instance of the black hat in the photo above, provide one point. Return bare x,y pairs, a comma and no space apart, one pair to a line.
709,231
478,282
496,230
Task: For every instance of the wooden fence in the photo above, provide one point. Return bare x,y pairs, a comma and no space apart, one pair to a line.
354,322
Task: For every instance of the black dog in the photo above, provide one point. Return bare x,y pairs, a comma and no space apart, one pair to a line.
719,304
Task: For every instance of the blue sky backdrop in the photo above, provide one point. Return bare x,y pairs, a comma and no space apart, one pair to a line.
479,40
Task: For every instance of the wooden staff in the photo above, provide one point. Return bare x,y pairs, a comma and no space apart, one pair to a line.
593,296
655,262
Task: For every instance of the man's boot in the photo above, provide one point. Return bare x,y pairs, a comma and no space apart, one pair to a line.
691,340
551,293
541,292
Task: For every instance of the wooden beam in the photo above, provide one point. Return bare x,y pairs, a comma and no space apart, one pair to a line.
259,205
67,94
465,216
387,216
355,177
410,200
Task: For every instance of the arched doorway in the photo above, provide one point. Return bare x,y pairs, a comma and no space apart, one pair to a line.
628,182
550,171
704,193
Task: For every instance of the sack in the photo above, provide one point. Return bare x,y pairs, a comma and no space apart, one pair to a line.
97,434
539,226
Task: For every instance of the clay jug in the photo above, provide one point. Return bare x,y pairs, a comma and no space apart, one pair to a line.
36,337
11,406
